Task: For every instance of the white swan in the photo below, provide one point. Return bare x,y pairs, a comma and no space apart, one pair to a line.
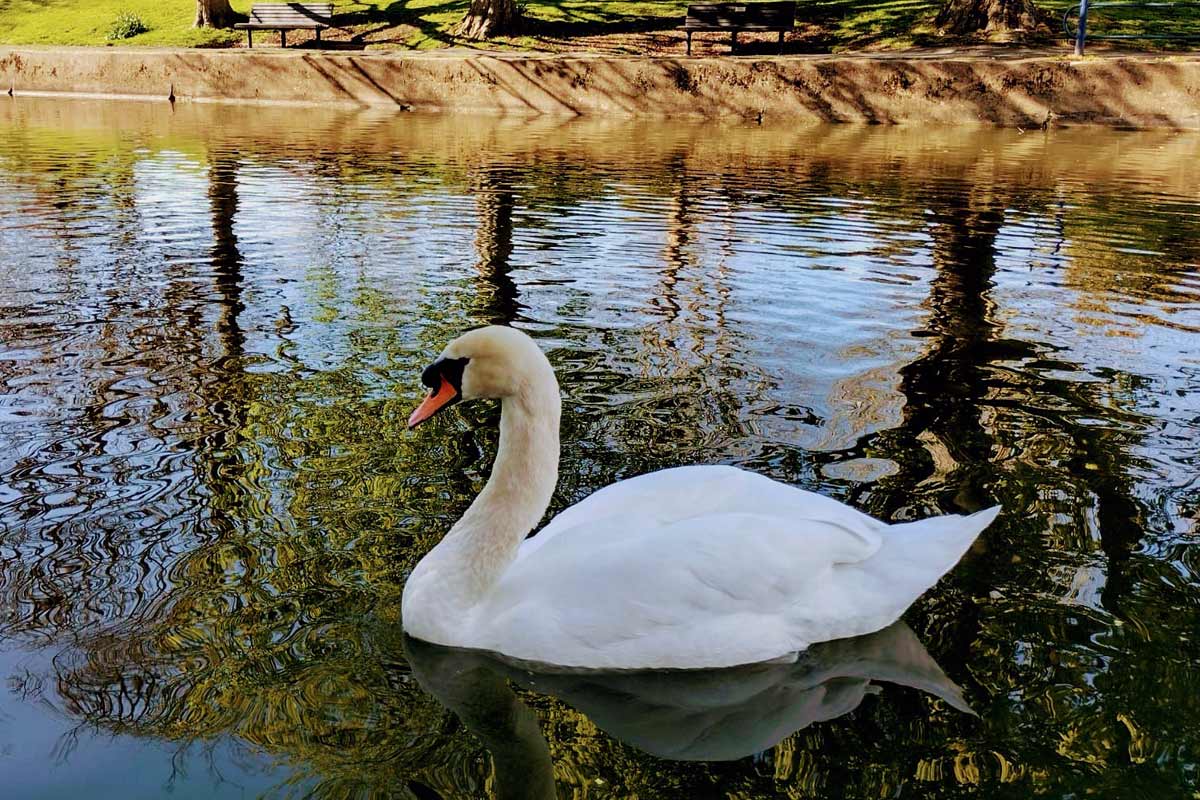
691,567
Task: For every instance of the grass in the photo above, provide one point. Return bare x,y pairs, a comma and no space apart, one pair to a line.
1126,20
614,26
65,22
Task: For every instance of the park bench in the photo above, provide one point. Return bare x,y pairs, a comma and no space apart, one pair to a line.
284,17
735,17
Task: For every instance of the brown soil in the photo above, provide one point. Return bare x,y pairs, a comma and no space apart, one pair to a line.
1002,86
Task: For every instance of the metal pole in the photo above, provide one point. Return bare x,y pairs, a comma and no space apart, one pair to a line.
1081,34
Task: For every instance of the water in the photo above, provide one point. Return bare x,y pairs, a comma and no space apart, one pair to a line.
212,322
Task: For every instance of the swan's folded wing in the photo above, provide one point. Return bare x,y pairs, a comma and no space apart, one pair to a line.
653,502
706,589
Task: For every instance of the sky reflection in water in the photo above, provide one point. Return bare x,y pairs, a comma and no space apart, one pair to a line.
212,323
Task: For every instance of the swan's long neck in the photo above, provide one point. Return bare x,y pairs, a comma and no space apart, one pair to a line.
482,545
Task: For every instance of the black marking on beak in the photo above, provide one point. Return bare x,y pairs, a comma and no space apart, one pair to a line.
449,368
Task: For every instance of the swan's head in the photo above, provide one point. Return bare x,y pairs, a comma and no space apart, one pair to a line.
495,362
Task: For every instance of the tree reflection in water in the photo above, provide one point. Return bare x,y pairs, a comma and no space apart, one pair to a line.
209,503
495,197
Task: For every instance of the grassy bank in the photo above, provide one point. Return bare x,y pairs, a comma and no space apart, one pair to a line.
553,25
88,23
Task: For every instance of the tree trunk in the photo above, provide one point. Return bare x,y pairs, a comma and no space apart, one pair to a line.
226,256
964,17
488,18
214,14
681,231
946,388
496,199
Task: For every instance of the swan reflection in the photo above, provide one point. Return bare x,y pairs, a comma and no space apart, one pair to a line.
686,715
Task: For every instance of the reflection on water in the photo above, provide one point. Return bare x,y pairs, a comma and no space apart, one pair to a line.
211,326
684,715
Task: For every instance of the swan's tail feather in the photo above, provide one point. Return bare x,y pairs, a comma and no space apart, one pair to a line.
913,556
949,537
928,549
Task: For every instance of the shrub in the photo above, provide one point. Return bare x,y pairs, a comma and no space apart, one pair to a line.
125,26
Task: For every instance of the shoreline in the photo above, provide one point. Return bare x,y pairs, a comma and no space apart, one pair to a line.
1011,89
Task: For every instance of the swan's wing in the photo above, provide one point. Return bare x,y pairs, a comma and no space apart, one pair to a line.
653,502
717,588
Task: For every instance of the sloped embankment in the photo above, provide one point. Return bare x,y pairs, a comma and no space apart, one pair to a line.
1024,91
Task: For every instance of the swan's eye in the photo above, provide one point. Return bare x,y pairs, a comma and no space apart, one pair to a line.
431,375
449,368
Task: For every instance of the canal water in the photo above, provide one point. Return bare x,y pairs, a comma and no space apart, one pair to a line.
212,324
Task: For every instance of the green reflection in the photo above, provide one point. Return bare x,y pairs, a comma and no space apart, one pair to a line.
210,332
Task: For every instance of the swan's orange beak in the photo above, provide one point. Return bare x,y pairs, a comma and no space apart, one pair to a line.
435,402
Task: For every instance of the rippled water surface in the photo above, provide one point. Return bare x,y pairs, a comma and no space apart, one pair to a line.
212,323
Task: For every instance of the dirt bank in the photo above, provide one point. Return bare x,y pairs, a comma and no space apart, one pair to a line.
1023,90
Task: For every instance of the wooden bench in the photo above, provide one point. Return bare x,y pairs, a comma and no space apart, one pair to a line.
284,17
736,17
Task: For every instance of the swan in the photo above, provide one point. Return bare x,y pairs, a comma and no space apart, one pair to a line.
686,568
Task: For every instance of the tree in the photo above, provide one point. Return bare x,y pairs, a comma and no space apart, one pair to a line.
214,14
486,18
495,198
964,17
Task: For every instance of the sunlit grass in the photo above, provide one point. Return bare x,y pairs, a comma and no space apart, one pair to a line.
886,24
76,23
632,25
1120,19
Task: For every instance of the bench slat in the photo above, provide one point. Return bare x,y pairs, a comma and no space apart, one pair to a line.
283,17
291,13
322,8
714,21
735,28
771,14
280,26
